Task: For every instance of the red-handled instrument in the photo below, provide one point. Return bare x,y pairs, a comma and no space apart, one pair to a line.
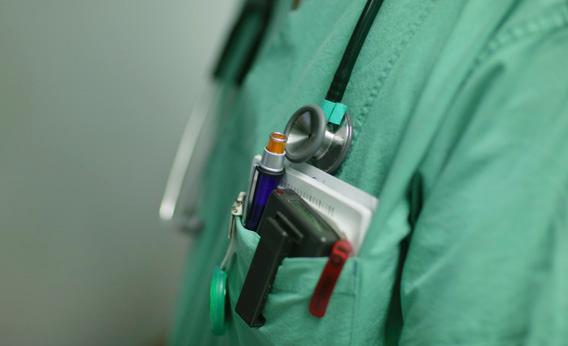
322,294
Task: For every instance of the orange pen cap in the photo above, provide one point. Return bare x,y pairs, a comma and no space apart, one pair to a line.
277,143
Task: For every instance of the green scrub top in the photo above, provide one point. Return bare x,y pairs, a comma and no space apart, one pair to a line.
460,113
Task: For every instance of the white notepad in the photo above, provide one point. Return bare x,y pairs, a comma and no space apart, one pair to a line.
346,207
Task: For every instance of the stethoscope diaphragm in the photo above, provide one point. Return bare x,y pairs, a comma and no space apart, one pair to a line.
312,138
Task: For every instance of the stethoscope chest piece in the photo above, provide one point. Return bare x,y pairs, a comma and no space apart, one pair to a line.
311,138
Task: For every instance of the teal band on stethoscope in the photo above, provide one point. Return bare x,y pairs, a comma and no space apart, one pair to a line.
334,111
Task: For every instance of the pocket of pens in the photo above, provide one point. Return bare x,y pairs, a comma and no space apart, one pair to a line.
288,320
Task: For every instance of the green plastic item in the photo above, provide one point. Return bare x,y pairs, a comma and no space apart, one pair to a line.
217,301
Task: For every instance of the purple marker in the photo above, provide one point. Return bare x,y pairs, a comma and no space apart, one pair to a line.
265,178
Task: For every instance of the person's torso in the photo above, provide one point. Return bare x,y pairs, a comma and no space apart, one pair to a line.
413,63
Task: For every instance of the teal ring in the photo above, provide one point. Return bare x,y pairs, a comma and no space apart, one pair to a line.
217,301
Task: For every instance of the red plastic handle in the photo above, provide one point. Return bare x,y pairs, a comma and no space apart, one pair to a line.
329,276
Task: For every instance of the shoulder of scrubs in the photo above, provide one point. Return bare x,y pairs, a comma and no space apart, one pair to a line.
488,254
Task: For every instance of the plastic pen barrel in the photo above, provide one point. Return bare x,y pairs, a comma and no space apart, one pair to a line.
267,176
265,184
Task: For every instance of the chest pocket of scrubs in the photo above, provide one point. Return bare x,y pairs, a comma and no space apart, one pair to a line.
288,321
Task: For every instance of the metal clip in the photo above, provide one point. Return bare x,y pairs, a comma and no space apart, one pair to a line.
236,211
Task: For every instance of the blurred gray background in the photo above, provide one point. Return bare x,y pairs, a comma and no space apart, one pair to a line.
94,96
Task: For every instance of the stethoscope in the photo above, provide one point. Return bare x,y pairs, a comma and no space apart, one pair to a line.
180,201
319,134
322,134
